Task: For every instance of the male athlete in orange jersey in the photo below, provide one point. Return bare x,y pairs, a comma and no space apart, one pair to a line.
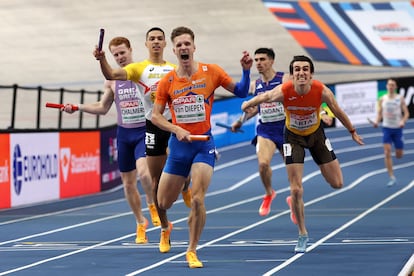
189,92
302,98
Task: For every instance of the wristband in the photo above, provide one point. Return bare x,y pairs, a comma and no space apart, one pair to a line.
352,131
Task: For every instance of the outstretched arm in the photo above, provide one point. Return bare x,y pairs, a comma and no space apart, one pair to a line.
329,99
107,71
101,107
274,95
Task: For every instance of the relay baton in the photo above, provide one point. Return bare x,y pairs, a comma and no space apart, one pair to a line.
101,38
370,121
199,137
228,127
60,106
243,117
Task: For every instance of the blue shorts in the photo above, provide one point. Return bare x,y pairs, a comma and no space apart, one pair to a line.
131,147
182,155
271,131
393,136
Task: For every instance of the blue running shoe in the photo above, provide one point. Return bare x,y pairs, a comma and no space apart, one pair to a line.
302,243
392,181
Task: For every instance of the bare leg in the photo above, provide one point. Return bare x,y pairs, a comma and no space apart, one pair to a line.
155,166
295,173
388,159
201,176
332,173
265,150
129,180
145,178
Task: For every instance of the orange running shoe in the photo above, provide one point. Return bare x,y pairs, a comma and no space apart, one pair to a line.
192,260
141,233
292,214
264,209
165,242
154,215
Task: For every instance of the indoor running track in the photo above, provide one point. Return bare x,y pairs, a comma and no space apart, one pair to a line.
365,228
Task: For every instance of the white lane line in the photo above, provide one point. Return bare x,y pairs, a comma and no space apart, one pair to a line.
343,227
130,235
408,267
354,184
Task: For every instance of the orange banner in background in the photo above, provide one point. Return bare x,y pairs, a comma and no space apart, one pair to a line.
5,200
80,170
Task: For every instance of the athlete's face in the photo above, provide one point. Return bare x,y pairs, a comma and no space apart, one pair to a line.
301,72
184,48
391,86
122,54
155,42
263,63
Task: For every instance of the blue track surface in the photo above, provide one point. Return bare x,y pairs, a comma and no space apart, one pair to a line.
366,228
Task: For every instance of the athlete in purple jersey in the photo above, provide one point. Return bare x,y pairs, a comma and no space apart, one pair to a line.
271,122
130,136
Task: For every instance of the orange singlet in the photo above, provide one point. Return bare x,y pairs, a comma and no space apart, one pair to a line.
191,100
302,111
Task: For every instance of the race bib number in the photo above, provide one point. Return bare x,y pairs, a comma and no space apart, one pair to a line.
303,122
272,112
189,109
132,112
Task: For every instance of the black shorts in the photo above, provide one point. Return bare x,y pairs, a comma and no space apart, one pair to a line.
317,143
156,140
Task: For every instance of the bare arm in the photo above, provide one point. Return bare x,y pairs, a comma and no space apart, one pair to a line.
274,95
379,113
101,107
405,111
108,72
159,120
329,99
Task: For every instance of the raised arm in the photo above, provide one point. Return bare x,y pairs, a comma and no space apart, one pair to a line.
108,72
241,88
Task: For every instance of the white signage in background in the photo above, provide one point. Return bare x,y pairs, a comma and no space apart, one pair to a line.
358,100
34,167
391,32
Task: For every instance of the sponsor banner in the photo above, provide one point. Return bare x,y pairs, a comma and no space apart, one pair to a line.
111,176
378,34
34,167
5,200
358,100
79,163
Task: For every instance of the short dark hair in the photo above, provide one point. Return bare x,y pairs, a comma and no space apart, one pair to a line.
301,58
154,29
267,51
180,31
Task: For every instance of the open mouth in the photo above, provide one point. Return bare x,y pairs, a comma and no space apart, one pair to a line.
185,56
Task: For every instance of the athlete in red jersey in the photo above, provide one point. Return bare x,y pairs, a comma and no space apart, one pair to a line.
189,92
302,98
